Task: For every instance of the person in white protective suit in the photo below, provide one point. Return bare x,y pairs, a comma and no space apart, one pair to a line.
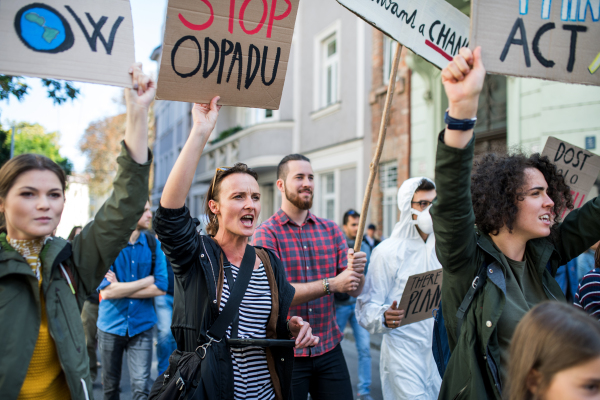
408,369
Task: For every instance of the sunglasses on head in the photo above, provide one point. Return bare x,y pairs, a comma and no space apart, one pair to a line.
217,170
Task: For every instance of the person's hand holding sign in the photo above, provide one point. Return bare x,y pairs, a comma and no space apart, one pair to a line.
205,118
393,316
463,80
357,261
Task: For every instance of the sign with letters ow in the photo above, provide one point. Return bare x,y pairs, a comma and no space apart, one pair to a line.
555,40
421,295
579,167
81,40
433,29
237,49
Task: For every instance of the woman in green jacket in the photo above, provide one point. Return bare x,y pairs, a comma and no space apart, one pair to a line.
506,217
44,280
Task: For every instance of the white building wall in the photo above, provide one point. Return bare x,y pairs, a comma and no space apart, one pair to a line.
77,206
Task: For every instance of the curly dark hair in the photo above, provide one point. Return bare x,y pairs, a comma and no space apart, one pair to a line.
497,185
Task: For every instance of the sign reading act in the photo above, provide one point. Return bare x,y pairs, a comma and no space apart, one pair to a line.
555,40
237,49
81,40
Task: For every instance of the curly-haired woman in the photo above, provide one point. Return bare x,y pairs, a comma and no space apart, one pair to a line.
505,217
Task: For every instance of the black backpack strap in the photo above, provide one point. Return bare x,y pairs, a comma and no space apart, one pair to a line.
236,294
476,285
236,320
152,244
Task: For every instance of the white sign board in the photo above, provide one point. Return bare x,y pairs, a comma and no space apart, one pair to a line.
433,29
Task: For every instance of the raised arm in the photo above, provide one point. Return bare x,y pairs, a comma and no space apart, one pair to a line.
182,175
138,102
452,212
101,241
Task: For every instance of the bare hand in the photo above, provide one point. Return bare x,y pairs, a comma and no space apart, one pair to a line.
302,332
111,277
357,261
463,80
205,116
393,316
143,90
345,282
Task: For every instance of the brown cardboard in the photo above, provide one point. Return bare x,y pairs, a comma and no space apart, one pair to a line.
43,48
184,76
421,295
579,167
433,29
551,50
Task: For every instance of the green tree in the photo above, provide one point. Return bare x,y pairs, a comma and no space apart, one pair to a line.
58,91
33,138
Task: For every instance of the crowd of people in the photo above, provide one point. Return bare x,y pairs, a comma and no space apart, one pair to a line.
248,311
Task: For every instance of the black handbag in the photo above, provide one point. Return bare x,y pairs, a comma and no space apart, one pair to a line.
199,375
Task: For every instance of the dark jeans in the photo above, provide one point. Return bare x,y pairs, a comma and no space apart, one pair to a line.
139,360
325,377
89,317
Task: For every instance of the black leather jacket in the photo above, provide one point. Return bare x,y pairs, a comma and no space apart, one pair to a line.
195,260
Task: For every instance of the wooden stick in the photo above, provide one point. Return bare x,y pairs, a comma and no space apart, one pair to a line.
380,141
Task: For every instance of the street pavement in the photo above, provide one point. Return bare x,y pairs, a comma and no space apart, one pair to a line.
348,346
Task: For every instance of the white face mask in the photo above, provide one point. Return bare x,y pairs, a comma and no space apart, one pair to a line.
423,221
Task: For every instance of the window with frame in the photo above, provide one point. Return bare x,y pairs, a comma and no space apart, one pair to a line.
388,177
329,70
389,47
328,195
253,116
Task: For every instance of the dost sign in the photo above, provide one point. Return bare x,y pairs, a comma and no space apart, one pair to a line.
237,49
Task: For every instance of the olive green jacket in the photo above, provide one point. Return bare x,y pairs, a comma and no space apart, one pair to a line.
473,369
85,260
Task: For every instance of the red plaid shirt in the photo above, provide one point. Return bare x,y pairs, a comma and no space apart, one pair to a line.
313,251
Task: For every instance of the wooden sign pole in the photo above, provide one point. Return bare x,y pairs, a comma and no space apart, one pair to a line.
380,141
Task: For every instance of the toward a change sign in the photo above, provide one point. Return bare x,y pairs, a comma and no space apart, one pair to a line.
579,167
421,295
80,40
433,29
237,49
555,40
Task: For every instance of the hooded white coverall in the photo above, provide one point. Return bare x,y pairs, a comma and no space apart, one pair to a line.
408,369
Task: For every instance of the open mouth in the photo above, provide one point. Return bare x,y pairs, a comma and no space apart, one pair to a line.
545,219
248,220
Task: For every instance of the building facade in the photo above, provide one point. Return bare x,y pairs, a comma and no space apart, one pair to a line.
324,114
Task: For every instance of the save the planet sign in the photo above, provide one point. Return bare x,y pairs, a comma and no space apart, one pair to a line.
555,40
237,49
82,40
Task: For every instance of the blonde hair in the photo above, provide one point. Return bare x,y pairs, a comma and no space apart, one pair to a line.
550,338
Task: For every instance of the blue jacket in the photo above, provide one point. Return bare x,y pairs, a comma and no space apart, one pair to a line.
129,316
568,276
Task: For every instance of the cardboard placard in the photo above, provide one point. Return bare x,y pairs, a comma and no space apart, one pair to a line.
421,295
554,40
579,167
433,29
79,40
237,49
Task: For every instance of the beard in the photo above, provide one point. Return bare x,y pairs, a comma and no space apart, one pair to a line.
294,198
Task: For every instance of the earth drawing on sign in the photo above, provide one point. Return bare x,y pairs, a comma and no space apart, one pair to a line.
42,28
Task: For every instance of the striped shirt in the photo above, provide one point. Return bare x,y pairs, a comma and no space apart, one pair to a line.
588,294
251,378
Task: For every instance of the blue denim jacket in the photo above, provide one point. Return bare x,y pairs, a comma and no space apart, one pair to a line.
129,316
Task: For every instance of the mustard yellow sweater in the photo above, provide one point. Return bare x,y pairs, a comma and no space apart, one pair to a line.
45,378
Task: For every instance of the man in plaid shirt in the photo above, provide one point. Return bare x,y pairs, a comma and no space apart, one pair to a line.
318,263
